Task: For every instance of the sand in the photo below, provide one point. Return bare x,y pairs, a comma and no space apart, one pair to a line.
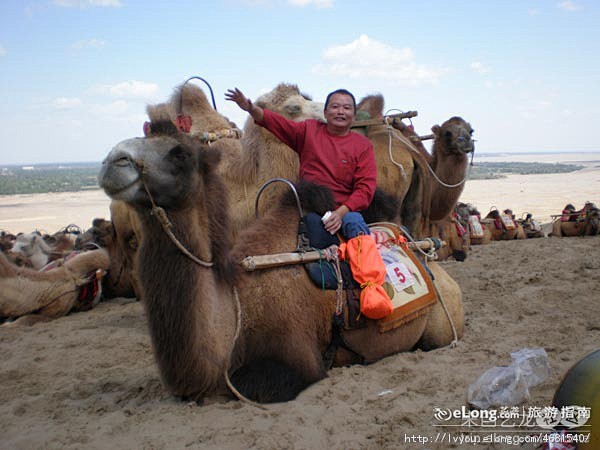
88,380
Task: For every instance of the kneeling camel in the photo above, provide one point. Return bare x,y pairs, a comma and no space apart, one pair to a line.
269,329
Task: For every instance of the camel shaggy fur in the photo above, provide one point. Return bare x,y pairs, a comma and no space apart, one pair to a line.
270,328
119,237
30,296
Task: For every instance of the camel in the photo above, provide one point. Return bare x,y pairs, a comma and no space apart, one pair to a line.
120,238
479,233
428,185
268,328
456,235
503,227
449,160
30,296
585,222
531,227
31,249
400,167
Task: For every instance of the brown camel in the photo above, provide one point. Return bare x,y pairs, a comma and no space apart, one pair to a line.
449,160
455,235
119,237
268,328
400,166
586,223
479,233
503,227
30,296
428,185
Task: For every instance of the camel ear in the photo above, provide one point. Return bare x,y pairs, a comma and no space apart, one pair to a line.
436,129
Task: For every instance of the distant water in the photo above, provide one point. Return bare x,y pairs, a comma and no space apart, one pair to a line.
566,157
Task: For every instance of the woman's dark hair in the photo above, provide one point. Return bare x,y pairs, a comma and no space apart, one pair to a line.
340,91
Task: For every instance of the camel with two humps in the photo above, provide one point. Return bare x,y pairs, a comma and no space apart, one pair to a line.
269,329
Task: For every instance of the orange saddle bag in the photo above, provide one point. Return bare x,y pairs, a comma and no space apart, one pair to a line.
368,269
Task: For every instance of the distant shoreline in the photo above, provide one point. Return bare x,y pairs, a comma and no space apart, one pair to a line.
478,154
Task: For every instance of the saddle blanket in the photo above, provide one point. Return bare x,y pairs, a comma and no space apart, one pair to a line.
507,221
475,227
407,282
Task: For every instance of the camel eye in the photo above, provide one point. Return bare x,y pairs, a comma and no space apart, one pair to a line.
121,162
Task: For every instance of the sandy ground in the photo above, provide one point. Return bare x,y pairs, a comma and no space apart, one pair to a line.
89,380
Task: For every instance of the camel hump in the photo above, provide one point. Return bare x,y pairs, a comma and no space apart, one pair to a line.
373,105
279,95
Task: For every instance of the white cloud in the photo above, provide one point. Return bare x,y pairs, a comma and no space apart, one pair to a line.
480,68
66,103
568,5
489,84
128,89
87,3
534,12
368,58
115,108
88,43
317,3
3,51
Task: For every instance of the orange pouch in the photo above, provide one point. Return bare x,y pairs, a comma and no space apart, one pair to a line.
368,269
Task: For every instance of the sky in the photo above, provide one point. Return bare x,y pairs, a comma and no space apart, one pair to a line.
76,75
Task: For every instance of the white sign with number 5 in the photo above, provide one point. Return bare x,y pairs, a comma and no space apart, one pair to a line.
399,276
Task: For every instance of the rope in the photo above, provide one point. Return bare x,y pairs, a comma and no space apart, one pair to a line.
405,141
238,326
165,223
402,171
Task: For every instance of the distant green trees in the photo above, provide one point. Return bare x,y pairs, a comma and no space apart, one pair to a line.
491,170
16,180
77,177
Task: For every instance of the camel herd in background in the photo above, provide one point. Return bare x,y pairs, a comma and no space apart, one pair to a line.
419,189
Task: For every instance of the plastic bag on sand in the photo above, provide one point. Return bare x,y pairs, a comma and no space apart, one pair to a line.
509,386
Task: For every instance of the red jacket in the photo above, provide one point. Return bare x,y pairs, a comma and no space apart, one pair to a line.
344,164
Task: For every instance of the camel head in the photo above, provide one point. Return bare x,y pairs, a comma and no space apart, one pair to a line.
455,136
594,220
191,101
169,165
176,172
287,100
32,249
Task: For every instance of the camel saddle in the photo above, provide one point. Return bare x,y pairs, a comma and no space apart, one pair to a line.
475,227
507,222
408,282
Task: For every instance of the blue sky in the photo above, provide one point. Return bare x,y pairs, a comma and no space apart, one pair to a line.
76,75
